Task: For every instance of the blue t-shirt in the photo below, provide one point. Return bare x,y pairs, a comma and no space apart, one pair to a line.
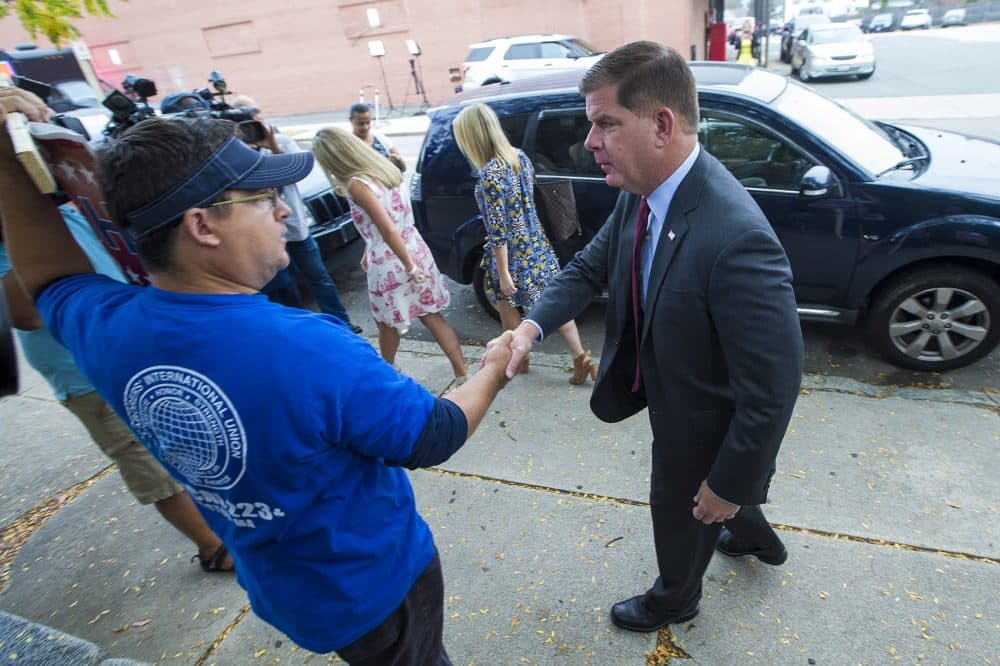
277,421
41,350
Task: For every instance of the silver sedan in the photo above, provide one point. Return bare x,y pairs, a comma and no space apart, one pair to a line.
833,49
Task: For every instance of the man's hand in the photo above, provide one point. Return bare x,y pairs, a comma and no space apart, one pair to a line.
498,354
15,99
710,509
519,342
21,101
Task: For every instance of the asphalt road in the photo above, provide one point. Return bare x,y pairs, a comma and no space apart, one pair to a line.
909,64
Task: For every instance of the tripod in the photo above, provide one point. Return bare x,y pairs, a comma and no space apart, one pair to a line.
385,84
419,83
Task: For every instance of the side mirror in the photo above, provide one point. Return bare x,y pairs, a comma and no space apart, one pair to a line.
819,182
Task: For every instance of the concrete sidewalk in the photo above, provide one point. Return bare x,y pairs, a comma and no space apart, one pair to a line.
886,499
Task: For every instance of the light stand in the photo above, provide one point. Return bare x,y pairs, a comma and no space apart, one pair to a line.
377,51
418,81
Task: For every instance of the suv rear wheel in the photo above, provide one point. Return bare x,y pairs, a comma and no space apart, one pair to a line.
938,318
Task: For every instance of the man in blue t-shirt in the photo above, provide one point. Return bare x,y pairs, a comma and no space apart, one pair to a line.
287,429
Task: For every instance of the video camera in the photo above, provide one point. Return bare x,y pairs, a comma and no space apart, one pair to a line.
248,129
131,107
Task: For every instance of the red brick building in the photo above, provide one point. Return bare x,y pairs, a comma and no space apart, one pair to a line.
313,55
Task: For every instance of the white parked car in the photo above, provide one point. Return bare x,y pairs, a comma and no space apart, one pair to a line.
516,58
833,49
916,18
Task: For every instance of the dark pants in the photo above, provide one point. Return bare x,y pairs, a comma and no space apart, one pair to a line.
305,259
411,636
684,547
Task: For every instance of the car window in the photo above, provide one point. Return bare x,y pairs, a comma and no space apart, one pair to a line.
847,34
755,156
521,52
479,54
583,48
559,146
861,141
513,126
554,50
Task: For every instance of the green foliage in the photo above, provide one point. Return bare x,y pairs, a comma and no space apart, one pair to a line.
54,18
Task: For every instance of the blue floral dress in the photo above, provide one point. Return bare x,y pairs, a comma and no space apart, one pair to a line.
507,204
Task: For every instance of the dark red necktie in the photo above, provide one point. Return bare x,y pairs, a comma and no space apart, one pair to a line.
640,234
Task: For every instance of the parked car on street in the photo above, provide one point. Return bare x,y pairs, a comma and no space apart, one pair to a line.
953,17
331,223
795,28
916,18
881,23
516,58
894,226
833,49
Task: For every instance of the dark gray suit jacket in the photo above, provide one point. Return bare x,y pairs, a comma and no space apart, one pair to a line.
721,352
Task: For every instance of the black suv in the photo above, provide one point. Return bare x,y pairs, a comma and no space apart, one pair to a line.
331,226
895,226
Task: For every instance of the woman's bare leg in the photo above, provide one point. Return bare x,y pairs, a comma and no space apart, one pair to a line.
388,342
447,339
571,335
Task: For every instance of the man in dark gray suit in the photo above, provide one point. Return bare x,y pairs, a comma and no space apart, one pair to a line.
718,354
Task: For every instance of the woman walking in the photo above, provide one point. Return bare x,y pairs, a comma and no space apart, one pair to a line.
518,259
403,281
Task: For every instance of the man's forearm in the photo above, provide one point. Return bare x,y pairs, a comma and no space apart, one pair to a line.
475,396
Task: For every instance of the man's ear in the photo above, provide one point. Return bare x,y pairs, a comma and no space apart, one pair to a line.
666,123
200,227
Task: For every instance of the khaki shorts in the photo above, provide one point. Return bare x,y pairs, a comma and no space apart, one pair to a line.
145,477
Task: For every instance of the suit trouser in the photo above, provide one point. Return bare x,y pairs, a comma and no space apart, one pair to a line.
684,547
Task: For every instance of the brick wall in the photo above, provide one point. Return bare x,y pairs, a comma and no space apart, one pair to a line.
313,55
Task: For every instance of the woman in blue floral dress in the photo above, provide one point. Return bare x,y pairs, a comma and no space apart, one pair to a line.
518,258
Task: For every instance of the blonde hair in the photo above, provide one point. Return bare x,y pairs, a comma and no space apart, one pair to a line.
344,156
480,137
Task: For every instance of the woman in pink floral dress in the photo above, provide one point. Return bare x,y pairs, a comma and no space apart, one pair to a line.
403,281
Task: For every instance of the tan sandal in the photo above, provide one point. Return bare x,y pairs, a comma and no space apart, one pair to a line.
583,366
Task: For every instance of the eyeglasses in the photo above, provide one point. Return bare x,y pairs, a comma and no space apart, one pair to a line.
272,194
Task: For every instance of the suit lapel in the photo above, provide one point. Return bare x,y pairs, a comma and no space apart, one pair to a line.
672,234
623,300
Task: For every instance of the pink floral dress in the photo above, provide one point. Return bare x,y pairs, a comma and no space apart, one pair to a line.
395,300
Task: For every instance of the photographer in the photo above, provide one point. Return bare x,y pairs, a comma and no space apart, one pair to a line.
302,248
289,431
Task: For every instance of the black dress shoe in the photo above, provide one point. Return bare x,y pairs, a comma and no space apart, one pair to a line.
729,544
356,329
632,614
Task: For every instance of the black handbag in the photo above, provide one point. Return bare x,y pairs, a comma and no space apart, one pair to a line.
556,207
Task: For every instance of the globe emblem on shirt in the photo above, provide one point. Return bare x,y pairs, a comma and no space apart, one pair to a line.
189,424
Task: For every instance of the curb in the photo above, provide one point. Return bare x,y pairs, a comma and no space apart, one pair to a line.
31,643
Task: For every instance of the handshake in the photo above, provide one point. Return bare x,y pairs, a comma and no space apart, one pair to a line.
511,349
